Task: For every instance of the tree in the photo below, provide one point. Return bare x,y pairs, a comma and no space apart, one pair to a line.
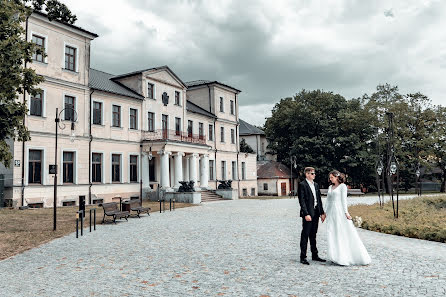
439,147
15,77
245,148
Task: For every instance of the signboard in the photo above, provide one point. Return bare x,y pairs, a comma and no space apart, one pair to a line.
17,163
53,169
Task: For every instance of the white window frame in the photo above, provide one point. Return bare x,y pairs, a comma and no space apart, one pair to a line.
223,173
44,166
102,111
179,98
102,163
43,104
214,170
76,64
138,178
231,107
120,116
232,134
154,89
154,121
121,181
222,139
137,118
30,39
234,170
75,106
211,133
72,150
243,169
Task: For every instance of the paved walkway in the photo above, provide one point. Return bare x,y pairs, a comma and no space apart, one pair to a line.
232,248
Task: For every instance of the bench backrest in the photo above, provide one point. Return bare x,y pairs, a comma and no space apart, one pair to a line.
110,206
134,202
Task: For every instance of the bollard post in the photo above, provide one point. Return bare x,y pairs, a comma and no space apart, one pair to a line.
94,219
90,220
77,224
170,205
82,222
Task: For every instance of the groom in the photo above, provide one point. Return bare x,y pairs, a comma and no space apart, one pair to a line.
310,210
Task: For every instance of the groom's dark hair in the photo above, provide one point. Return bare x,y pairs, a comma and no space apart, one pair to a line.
308,169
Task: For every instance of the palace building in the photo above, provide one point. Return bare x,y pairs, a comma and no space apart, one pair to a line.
133,133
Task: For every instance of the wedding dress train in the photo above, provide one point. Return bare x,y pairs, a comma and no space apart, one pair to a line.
344,246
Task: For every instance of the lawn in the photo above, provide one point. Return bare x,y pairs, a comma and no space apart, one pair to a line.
423,218
21,230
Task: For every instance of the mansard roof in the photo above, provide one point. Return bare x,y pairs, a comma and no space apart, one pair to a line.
248,129
165,67
201,82
102,81
192,107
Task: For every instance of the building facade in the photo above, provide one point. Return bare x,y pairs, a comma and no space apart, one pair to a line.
256,139
133,133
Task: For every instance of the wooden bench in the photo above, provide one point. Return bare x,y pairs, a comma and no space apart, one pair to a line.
111,209
134,205
350,192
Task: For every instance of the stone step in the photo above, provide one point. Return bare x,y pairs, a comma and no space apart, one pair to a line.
209,196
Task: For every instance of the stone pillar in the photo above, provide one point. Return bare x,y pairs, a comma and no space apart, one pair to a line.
164,162
145,171
204,178
193,168
178,161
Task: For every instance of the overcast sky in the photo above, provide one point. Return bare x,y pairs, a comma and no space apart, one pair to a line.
274,49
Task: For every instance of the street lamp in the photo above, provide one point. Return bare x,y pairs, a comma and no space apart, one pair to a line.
418,173
379,172
293,163
61,126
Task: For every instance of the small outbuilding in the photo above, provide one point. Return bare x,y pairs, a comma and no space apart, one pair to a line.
274,179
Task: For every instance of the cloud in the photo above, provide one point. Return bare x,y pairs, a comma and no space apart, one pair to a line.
271,50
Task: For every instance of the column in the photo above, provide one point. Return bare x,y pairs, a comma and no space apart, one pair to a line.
193,168
178,161
204,177
145,171
164,162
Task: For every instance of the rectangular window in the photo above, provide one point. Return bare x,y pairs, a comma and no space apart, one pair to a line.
234,170
253,191
133,169
211,169
151,122
116,168
221,105
133,119
244,192
116,116
190,127
68,167
223,170
35,167
36,104
222,134
164,125
39,41
97,113
70,58
70,103
211,132
243,170
200,131
96,167
265,187
150,90
177,98
177,126
232,107
232,136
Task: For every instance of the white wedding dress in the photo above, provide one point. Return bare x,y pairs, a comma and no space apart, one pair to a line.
344,246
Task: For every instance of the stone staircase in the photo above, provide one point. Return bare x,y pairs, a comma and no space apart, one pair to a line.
209,196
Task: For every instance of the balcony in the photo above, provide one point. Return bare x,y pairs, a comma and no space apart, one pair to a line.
173,135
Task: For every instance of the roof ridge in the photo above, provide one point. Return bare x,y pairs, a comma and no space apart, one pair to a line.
101,71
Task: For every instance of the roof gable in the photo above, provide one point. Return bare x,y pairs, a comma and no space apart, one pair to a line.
149,70
248,129
102,81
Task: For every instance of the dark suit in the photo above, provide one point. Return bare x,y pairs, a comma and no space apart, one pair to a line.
307,207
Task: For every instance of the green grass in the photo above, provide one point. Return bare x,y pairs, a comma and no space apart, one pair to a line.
423,218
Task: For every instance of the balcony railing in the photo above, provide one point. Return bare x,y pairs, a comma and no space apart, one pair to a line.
162,134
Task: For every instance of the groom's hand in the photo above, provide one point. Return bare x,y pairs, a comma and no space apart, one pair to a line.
308,218
323,217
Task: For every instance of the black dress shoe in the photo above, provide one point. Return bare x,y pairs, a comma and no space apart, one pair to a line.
318,259
304,261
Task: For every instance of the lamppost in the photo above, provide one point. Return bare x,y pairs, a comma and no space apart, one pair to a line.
293,163
392,165
418,173
61,126
379,172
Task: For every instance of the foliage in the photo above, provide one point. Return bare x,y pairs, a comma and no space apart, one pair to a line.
245,148
15,78
421,218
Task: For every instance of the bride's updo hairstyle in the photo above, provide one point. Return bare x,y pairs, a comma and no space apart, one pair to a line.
340,176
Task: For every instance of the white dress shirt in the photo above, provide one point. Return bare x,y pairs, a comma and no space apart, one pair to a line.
313,190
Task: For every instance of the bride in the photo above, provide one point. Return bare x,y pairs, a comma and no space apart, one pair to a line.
344,247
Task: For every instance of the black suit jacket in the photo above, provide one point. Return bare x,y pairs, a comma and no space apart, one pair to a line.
306,199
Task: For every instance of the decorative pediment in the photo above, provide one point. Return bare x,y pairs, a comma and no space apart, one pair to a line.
165,76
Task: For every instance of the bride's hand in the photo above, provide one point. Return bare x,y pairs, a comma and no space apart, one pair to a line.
348,216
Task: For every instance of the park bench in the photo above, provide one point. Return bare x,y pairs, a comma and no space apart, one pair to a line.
111,209
350,192
134,205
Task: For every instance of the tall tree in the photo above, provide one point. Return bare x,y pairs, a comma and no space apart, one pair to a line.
15,78
439,140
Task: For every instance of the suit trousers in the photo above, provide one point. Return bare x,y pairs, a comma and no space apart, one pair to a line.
309,231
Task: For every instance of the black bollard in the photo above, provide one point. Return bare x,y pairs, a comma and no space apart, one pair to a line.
94,218
82,222
90,220
77,225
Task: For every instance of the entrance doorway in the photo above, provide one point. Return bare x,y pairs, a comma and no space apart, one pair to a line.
283,189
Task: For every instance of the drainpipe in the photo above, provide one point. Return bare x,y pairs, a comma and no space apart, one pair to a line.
90,139
237,142
24,123
140,172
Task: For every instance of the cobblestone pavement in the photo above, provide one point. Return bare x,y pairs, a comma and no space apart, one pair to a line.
231,248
